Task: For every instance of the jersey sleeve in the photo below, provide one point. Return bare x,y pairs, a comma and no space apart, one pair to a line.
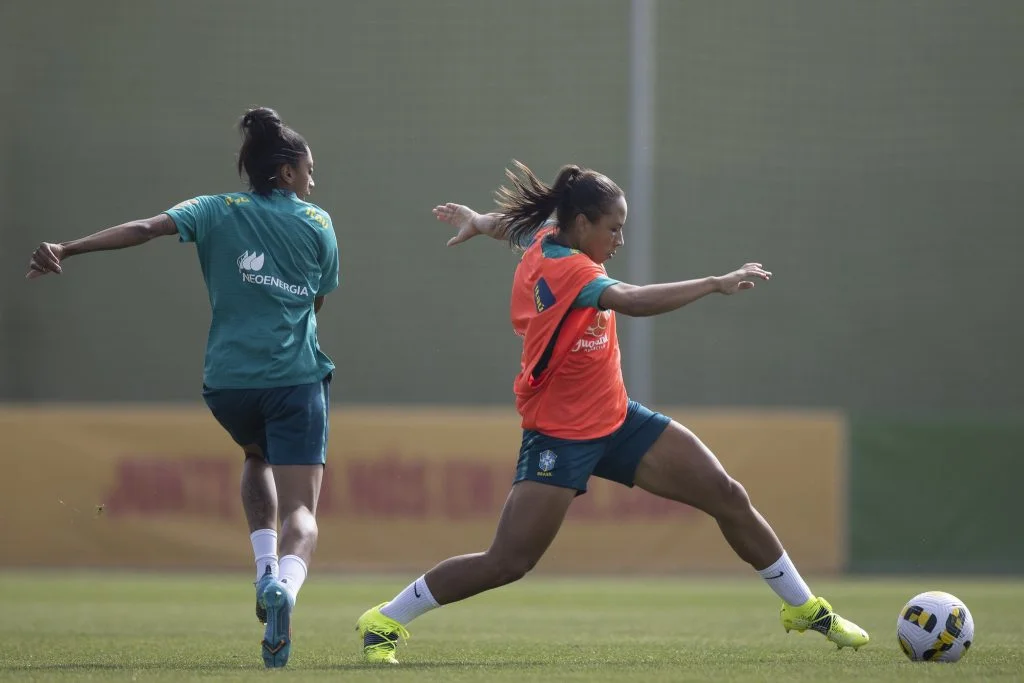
193,217
590,295
329,265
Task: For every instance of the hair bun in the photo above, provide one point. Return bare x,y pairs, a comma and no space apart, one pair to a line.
567,176
261,121
572,173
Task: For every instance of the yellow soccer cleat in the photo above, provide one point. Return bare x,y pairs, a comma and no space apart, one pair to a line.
817,615
380,636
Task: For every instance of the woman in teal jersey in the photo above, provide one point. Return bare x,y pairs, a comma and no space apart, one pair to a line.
268,258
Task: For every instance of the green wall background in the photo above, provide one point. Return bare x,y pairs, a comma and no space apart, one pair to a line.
870,153
930,496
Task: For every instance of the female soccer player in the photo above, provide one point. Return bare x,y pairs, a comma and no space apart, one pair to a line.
576,415
268,258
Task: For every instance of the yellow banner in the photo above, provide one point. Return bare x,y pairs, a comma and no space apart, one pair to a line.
404,488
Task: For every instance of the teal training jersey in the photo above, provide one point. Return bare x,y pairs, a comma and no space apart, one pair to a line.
265,260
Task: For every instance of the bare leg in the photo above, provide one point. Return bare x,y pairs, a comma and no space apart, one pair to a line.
298,491
679,467
259,497
529,522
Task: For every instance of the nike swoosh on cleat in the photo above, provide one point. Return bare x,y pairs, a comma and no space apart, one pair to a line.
772,578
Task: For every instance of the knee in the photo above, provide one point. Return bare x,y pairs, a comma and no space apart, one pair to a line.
510,568
732,499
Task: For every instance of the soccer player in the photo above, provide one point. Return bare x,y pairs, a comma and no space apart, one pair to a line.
268,258
577,418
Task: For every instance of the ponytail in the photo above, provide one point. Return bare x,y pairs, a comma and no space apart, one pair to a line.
530,202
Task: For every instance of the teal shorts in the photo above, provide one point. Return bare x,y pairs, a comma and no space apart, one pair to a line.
568,463
289,424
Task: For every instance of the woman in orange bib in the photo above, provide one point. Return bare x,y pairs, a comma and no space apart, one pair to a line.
577,418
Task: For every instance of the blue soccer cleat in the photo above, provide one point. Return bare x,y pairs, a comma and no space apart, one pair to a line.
277,637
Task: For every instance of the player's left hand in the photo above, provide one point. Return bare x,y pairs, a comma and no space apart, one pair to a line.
460,217
742,278
45,259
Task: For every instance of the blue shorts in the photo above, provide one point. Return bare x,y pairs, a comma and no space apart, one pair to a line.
563,462
289,424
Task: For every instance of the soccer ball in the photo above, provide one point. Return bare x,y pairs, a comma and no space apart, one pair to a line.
935,627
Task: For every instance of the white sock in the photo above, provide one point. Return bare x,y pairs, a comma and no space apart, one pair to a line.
264,549
293,573
412,602
783,578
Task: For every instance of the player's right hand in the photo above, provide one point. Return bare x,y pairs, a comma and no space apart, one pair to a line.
460,217
45,259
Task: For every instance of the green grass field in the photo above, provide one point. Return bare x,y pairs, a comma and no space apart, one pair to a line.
130,627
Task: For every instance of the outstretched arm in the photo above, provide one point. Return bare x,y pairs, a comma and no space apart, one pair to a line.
48,256
656,299
468,223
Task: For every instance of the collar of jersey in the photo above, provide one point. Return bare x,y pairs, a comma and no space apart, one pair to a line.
553,249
